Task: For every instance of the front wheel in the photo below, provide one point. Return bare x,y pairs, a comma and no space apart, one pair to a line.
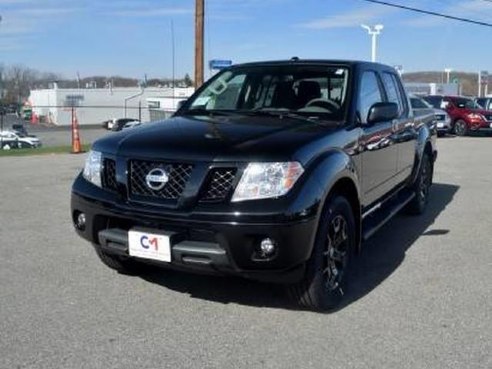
324,283
460,128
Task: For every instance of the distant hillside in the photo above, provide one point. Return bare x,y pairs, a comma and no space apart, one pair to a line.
468,81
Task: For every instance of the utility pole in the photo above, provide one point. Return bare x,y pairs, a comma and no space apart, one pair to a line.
199,30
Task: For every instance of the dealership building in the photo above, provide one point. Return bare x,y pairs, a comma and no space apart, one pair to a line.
96,105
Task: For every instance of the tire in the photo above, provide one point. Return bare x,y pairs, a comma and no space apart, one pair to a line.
119,263
440,134
460,128
321,289
421,187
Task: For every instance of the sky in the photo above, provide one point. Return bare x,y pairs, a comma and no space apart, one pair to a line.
133,37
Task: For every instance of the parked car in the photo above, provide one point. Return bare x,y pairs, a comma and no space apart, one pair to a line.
20,129
466,115
275,171
12,140
107,124
118,124
484,102
442,119
132,124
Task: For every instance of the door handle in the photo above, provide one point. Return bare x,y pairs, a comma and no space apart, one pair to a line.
394,126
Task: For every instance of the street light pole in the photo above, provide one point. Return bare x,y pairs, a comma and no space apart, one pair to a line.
374,33
447,71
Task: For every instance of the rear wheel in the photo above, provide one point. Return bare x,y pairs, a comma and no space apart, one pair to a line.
422,187
460,128
324,284
119,263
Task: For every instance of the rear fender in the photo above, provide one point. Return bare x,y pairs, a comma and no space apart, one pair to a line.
424,138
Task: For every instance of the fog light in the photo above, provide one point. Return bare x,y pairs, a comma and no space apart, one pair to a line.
267,247
80,221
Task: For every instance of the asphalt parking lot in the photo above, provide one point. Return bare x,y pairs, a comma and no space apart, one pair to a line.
422,295
57,136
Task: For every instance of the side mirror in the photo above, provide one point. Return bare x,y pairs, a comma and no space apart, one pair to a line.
383,111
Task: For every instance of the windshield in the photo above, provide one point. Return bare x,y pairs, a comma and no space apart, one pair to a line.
314,91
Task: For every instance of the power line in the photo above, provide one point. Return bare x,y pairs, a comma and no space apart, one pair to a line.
428,12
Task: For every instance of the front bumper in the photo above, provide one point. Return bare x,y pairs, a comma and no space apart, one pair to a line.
206,243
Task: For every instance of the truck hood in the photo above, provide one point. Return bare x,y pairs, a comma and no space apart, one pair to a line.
225,138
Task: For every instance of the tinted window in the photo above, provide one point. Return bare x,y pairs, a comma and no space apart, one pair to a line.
369,94
435,101
481,102
418,103
394,93
463,103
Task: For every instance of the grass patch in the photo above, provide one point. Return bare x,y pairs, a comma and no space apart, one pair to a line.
41,151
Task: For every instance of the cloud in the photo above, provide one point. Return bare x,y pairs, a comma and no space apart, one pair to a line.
14,2
475,10
152,12
43,12
349,19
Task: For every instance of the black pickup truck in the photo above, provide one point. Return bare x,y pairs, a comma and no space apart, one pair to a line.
275,171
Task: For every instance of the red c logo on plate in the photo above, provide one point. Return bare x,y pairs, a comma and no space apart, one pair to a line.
146,242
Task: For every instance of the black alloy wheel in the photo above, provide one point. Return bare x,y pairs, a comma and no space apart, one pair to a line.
336,253
325,281
460,128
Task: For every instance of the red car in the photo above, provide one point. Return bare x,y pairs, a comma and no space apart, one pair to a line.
466,115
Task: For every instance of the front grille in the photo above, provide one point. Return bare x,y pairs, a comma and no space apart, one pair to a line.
440,117
178,176
219,184
109,175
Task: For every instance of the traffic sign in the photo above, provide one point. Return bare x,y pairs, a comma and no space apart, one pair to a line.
484,77
218,64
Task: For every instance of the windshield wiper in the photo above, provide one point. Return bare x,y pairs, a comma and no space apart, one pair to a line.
210,113
280,113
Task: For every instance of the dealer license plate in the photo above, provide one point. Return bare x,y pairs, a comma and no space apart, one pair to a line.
149,246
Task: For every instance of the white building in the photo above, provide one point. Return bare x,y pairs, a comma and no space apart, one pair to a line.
425,89
161,107
96,105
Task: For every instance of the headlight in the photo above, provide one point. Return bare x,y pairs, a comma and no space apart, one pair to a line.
93,167
266,180
476,116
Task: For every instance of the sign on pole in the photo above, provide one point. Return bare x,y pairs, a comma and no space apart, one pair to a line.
218,64
484,77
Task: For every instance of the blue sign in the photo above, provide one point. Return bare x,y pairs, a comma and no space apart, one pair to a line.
217,64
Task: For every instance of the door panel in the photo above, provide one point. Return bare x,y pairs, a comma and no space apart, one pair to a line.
379,161
405,134
378,152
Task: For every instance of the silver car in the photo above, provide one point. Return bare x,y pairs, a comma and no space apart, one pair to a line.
443,120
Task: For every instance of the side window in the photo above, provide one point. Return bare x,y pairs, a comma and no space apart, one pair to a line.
393,92
369,94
